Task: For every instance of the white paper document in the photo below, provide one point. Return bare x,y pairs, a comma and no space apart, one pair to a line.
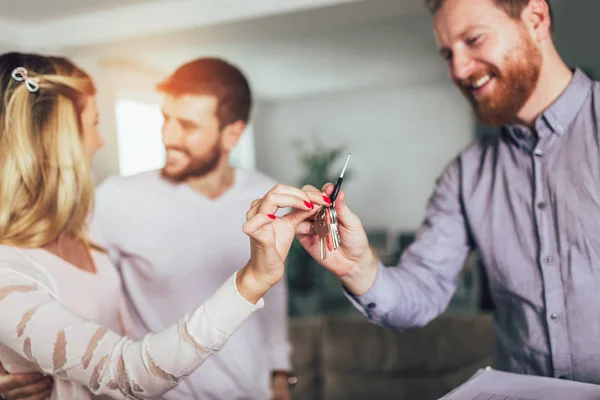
489,384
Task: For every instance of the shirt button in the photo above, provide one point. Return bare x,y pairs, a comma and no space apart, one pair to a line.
371,306
560,129
542,205
554,317
538,152
548,260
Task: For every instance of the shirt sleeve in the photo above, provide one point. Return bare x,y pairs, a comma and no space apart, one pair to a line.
45,332
420,287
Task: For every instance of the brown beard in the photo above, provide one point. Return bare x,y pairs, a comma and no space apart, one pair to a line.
198,167
513,85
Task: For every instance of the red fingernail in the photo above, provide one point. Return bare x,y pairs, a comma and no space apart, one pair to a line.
272,216
310,205
327,199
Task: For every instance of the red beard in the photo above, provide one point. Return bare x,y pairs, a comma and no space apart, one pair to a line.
513,85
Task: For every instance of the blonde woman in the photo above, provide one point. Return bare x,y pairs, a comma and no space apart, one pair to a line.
60,299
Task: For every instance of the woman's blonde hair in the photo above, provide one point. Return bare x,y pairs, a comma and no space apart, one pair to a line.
46,188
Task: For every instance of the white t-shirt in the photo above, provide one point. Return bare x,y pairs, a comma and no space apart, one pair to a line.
174,248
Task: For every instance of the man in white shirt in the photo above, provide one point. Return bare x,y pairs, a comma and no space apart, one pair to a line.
184,237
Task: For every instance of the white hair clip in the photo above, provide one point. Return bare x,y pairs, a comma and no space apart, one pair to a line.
19,74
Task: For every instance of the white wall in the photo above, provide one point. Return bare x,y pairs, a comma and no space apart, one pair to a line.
400,140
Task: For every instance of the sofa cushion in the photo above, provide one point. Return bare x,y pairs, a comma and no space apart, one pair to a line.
364,361
358,385
351,358
445,344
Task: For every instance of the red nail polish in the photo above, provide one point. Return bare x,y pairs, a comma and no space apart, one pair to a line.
327,199
310,205
272,216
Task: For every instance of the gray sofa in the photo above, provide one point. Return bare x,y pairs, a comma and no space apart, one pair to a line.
349,358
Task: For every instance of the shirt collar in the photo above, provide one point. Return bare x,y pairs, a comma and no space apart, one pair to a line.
564,110
560,114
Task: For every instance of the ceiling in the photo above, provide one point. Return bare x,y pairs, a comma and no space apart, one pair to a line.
29,11
398,51
306,48
56,25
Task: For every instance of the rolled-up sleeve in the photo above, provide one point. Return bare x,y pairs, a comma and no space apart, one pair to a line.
420,287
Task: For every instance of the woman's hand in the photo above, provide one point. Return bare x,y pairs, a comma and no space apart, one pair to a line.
271,237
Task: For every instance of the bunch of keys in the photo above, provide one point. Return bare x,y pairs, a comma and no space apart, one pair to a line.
326,222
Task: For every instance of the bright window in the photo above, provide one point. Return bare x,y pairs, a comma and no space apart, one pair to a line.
138,136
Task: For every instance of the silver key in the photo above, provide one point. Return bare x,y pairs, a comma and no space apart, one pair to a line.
322,229
335,233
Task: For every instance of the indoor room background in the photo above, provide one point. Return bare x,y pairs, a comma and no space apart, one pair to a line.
329,77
